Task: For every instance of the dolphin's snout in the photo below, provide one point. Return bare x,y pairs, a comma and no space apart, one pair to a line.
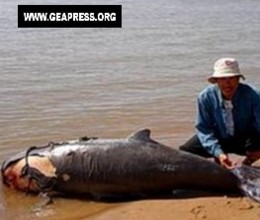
2,171
14,177
11,174
7,175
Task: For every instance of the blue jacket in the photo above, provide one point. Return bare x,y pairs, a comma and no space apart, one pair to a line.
210,125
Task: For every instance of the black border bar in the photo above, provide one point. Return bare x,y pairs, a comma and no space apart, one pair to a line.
95,12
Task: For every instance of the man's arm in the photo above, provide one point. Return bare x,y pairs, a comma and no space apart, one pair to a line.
205,127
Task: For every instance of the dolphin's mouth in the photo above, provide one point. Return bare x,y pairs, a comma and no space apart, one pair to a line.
6,170
10,173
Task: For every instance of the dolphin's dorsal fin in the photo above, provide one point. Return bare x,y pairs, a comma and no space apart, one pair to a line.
142,135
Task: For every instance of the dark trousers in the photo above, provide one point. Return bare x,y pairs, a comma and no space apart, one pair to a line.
236,145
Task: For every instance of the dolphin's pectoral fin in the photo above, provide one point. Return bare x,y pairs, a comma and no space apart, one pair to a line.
142,135
249,178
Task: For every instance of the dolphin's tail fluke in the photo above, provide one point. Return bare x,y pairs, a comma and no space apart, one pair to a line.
249,181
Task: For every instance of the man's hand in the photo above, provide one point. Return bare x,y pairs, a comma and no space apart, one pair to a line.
226,162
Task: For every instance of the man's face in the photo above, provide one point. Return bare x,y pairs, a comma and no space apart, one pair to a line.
228,86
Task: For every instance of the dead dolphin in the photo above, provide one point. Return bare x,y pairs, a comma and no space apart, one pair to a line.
136,165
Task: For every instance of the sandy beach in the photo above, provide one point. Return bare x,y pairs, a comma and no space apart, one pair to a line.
214,207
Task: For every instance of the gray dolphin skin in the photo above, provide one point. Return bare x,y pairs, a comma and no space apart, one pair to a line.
134,166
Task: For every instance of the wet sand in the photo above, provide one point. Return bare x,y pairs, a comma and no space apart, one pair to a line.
215,207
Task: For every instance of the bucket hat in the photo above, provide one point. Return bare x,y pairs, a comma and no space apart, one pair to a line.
225,67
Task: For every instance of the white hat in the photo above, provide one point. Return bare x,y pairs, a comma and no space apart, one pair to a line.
225,67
